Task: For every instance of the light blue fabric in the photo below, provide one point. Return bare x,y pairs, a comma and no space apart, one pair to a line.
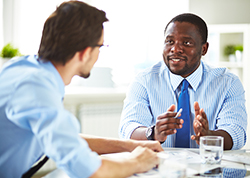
234,173
219,92
34,122
183,135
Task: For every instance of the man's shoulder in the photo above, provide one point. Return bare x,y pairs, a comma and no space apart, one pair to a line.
212,71
27,69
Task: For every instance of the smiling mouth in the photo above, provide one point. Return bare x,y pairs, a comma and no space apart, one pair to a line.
175,60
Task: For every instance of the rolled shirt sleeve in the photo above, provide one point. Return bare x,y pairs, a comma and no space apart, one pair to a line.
136,112
233,117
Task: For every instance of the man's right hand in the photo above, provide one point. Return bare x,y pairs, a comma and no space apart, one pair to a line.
141,159
166,124
144,158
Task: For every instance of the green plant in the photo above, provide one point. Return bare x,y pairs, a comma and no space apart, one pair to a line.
9,51
229,49
239,48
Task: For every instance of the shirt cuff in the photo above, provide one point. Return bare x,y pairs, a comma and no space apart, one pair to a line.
130,129
83,163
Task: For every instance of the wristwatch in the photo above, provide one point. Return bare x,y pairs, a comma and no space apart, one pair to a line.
150,133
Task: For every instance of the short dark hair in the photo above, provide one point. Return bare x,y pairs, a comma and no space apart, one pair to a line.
72,27
195,20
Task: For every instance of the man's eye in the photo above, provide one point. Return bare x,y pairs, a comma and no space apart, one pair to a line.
169,42
187,43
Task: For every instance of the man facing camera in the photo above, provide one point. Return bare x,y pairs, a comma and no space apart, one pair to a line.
33,121
211,99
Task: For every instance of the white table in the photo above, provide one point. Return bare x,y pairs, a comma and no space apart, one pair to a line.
194,168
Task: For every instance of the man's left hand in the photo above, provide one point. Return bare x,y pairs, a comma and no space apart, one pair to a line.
200,124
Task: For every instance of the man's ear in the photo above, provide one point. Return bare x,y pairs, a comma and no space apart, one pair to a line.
85,54
204,48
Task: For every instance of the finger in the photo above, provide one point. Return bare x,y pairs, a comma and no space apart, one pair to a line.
154,145
199,129
204,117
193,137
168,132
196,108
168,121
167,116
203,120
201,125
196,138
196,126
203,131
197,123
171,108
167,127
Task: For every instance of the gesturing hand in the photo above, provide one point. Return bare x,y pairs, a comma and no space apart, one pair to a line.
200,124
166,124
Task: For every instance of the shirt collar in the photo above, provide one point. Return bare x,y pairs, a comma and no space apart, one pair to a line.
193,79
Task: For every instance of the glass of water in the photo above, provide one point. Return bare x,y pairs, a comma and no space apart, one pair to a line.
211,149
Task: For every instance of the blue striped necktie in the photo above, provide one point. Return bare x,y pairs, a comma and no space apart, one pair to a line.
183,135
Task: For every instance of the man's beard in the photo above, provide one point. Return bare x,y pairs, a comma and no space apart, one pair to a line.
84,75
185,70
179,72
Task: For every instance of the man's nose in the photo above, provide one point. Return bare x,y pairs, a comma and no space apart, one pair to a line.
177,48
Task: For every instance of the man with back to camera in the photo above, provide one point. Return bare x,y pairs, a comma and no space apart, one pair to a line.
211,99
33,120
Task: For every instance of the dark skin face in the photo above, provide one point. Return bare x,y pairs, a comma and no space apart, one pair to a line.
183,48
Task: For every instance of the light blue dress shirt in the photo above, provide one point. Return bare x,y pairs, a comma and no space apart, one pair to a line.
34,122
219,92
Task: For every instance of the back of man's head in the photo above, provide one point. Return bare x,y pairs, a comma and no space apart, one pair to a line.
71,28
195,20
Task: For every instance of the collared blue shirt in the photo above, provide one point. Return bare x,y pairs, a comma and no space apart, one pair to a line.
34,122
218,91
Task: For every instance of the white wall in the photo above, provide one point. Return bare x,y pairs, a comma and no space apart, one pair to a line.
23,22
222,11
1,24
7,21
